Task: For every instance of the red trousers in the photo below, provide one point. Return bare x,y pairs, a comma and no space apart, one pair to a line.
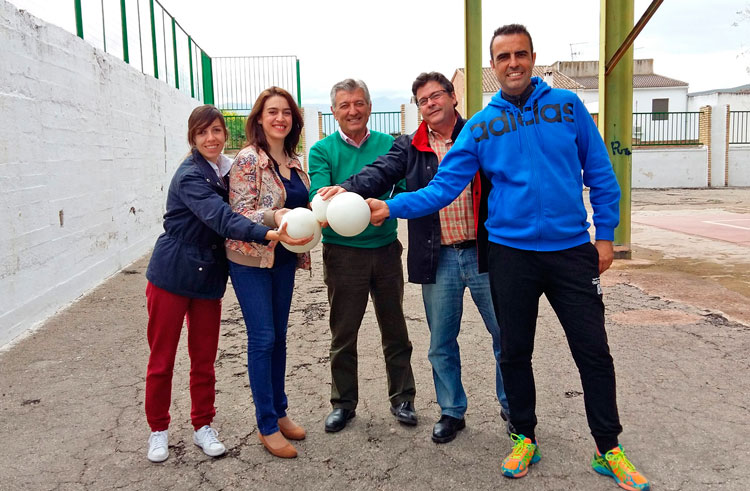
166,313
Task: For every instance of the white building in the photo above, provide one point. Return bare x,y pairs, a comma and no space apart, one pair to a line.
651,92
737,98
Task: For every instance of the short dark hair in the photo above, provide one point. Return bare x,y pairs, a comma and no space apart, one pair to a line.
425,77
508,29
254,131
201,118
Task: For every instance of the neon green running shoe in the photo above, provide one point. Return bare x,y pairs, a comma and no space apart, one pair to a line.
524,454
616,465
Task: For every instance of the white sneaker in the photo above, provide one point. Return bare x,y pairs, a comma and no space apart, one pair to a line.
158,450
206,439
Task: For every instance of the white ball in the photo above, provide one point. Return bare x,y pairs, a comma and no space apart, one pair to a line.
319,207
309,245
300,223
348,214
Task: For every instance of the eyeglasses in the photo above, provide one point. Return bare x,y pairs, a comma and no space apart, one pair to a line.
432,97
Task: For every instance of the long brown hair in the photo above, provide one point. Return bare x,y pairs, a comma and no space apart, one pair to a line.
201,118
254,131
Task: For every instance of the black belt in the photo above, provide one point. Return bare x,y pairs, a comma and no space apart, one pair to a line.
467,244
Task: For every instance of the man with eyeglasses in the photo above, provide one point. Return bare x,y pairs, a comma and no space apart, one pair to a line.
442,254
538,146
368,264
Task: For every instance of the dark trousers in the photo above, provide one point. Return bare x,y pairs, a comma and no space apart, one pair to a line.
570,281
352,274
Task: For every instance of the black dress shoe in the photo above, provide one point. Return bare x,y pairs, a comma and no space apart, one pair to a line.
336,421
446,428
405,413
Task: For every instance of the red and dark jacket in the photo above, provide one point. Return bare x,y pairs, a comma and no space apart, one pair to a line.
412,159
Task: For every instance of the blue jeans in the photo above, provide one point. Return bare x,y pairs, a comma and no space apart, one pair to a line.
443,304
265,295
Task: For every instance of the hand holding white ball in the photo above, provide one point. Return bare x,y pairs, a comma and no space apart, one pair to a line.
301,223
319,208
348,214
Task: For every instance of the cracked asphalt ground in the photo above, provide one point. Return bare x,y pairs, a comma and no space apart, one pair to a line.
72,393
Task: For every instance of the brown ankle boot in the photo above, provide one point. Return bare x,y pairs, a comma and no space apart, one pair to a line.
285,450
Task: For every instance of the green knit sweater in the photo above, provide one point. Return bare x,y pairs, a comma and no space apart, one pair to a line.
332,161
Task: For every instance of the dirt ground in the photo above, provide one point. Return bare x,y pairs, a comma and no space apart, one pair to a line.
679,329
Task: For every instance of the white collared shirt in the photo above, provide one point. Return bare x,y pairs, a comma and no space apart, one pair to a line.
225,164
352,142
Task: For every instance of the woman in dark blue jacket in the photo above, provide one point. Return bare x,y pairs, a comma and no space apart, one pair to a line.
187,277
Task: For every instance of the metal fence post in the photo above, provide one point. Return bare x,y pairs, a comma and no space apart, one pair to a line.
153,39
104,29
123,17
208,79
299,88
79,18
190,57
174,49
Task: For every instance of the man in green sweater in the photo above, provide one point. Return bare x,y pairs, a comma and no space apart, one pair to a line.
368,264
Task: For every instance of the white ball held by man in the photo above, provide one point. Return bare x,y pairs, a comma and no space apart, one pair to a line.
320,207
348,214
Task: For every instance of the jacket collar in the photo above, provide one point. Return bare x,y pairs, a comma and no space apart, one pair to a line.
208,172
421,140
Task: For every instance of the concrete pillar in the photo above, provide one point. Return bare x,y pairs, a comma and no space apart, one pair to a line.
719,146
311,130
704,130
411,118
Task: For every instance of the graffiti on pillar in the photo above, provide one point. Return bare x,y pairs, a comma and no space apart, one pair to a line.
618,149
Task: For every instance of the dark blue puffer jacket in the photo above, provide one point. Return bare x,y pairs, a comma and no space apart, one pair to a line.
189,257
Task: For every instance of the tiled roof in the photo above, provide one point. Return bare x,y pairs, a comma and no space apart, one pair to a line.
639,82
560,80
741,89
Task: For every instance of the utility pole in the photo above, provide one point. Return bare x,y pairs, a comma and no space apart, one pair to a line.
617,35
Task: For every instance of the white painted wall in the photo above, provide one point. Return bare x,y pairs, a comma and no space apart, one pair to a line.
736,102
411,118
87,148
718,145
670,168
643,98
739,165
310,121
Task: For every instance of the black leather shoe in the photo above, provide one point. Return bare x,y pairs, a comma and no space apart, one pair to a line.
446,429
405,413
336,421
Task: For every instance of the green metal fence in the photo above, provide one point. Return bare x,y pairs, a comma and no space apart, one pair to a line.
667,128
238,80
236,126
143,34
739,127
384,122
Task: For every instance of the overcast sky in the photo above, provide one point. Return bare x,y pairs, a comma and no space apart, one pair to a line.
388,42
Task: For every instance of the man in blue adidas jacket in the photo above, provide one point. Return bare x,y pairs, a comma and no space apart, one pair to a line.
538,147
